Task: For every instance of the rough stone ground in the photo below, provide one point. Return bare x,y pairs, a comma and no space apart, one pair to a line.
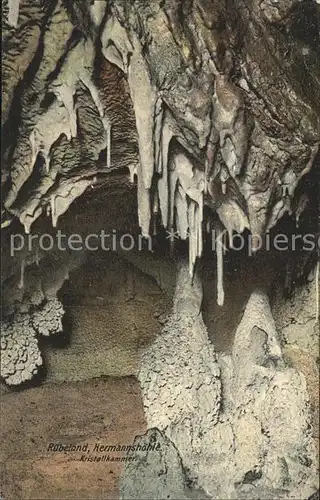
75,413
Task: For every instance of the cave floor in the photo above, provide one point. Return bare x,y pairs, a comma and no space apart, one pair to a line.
101,411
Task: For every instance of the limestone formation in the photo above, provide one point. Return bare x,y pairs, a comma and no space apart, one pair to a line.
241,423
171,119
244,160
20,355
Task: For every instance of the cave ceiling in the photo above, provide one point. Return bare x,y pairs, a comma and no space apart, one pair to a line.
208,112
200,102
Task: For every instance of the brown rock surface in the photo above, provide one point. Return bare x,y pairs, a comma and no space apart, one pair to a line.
107,412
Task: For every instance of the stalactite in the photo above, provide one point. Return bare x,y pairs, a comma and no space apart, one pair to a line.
210,155
98,10
232,217
94,92
155,211
116,44
155,205
47,131
163,186
13,14
109,131
181,205
78,67
22,272
144,209
228,154
46,158
158,136
144,99
187,183
224,176
173,179
27,219
6,223
133,172
68,191
219,252
199,225
192,237
53,210
34,150
65,96
112,55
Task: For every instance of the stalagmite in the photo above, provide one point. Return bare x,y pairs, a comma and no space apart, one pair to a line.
13,14
22,271
219,251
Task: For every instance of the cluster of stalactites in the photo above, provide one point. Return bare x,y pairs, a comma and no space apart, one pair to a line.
169,183
60,119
